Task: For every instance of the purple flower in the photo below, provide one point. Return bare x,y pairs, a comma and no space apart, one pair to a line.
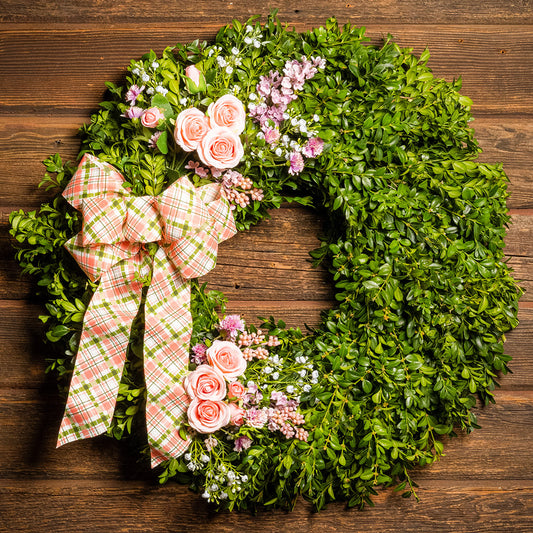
230,325
297,163
278,398
314,147
133,94
271,135
242,443
152,143
199,356
134,112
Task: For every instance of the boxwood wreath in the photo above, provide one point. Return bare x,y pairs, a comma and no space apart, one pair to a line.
413,238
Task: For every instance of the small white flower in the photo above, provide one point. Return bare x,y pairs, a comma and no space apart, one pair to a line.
294,121
211,52
314,374
206,495
278,152
214,487
187,456
267,370
290,389
302,373
204,458
251,106
316,118
229,69
155,64
257,43
223,495
145,77
136,71
231,474
221,61
260,135
314,381
307,388
252,96
150,90
235,51
275,375
191,467
286,116
244,478
183,101
248,40
238,61
236,89
285,140
249,28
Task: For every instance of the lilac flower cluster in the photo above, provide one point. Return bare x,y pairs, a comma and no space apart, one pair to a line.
278,90
281,415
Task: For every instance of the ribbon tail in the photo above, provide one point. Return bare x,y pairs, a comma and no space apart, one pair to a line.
102,353
168,329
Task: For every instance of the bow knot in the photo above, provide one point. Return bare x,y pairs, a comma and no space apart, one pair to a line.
123,237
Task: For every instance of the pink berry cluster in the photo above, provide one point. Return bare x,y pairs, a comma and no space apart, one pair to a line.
255,344
240,190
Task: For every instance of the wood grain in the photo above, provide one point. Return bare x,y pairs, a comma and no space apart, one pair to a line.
25,140
75,63
210,15
55,58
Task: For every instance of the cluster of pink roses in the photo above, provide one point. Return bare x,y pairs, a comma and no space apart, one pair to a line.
214,136
210,384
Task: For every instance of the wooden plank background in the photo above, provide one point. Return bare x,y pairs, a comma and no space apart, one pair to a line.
55,57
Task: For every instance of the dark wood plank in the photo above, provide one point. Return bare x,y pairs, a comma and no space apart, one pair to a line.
73,64
208,14
271,261
29,421
446,506
23,351
25,140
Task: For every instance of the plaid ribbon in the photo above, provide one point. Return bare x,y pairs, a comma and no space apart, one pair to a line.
186,224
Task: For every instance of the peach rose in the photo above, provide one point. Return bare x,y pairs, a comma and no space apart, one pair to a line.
221,148
228,112
227,358
205,383
236,389
191,128
151,117
208,416
236,414
194,79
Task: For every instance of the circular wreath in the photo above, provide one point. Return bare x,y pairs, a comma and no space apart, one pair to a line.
413,239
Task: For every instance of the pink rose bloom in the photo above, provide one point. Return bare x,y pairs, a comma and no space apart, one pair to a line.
227,358
193,73
205,383
194,79
227,111
220,148
152,117
208,416
236,414
236,389
191,128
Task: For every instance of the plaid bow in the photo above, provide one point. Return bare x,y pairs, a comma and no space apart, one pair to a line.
186,224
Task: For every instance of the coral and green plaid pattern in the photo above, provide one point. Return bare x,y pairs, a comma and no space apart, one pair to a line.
187,224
